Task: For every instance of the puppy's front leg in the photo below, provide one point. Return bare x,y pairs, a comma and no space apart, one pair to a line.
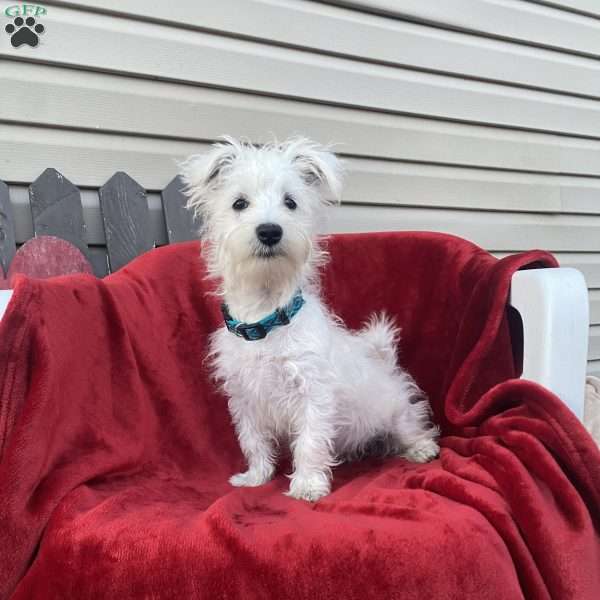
258,448
313,451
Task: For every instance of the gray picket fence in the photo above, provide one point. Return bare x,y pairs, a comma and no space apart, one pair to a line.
56,210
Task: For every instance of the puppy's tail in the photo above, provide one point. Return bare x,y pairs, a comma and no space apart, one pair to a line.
382,335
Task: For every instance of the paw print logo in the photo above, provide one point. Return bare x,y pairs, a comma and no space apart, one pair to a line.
24,31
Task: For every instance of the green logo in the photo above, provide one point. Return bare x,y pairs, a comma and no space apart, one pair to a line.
25,10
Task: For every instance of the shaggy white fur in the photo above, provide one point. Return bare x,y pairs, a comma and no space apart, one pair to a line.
327,392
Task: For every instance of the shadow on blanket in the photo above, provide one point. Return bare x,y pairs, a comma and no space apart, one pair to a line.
115,448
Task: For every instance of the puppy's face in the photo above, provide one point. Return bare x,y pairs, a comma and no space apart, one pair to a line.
260,207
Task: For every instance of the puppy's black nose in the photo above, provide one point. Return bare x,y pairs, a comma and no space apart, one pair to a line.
269,233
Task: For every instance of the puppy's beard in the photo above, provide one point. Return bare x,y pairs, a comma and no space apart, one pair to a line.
258,279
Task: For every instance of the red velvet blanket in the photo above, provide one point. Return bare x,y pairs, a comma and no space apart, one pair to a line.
115,449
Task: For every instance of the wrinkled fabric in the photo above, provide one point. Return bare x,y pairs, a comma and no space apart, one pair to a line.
116,447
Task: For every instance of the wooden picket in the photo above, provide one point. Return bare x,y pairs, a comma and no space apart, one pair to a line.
126,219
56,210
8,247
179,220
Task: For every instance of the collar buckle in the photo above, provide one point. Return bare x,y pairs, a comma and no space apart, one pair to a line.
244,329
282,316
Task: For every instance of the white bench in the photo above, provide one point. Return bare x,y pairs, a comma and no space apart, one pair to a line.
554,309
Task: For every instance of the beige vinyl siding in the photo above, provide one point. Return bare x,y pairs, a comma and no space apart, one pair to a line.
586,7
522,21
475,117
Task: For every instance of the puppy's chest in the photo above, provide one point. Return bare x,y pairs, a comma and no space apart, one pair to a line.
268,370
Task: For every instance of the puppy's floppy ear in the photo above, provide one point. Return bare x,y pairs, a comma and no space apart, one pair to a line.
202,173
318,166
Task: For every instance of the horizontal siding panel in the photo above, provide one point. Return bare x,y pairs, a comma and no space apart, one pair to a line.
588,7
493,231
428,185
521,21
593,368
91,160
99,42
425,185
102,102
595,307
308,25
580,195
88,160
594,347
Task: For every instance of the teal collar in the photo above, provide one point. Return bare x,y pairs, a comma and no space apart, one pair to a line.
257,331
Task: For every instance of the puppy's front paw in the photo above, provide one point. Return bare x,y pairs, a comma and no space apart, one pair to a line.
422,451
309,487
250,478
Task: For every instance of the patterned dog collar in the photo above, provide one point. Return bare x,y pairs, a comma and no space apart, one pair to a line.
257,331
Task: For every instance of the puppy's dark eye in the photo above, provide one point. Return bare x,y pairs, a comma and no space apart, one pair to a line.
240,204
289,202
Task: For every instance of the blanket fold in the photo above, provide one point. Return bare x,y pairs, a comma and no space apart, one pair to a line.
115,447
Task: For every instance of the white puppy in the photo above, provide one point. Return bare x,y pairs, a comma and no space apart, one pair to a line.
327,392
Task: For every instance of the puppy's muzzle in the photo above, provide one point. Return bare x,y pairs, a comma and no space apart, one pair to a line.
269,234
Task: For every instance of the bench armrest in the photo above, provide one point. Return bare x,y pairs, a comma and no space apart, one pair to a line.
554,308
